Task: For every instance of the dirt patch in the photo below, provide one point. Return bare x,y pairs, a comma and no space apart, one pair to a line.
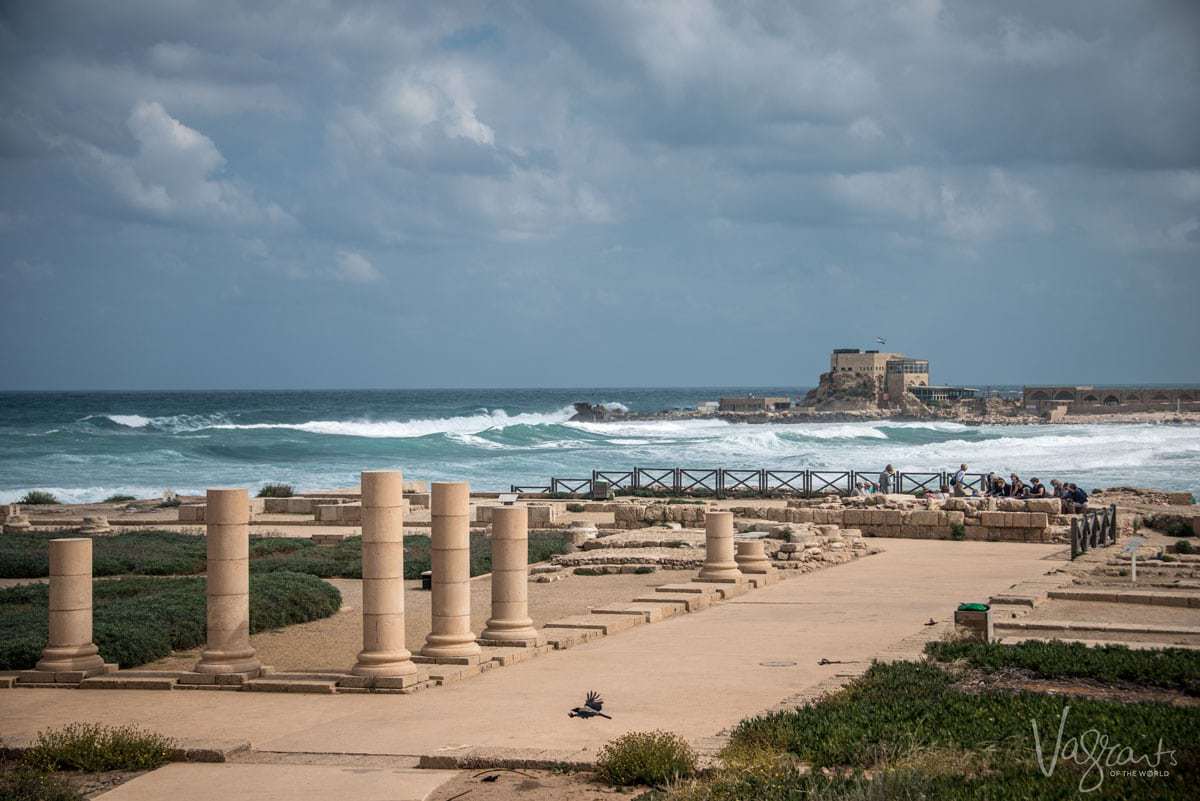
528,785
1013,680
334,642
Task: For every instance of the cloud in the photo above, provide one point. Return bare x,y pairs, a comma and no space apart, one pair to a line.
174,174
356,268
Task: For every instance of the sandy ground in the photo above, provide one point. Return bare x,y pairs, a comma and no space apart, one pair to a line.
1124,613
334,643
528,785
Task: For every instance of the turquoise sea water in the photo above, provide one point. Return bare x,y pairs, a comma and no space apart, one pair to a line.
86,446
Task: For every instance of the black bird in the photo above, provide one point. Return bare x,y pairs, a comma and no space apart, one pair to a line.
591,707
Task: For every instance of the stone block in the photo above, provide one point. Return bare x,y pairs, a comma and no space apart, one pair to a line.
1051,506
693,602
273,685
191,513
650,613
993,519
607,624
1038,519
116,682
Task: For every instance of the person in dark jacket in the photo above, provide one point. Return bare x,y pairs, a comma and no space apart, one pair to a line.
1036,488
886,478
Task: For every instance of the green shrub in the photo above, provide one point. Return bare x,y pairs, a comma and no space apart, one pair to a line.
138,620
1184,547
576,507
895,709
23,783
1172,668
958,532
642,570
276,491
37,498
164,553
590,571
93,748
646,757
119,498
1166,557
170,502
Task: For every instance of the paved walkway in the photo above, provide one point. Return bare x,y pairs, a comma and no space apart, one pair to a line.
200,782
693,674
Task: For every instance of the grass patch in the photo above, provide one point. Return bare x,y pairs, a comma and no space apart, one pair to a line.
170,553
37,498
119,498
276,491
22,783
148,553
903,730
655,758
138,620
92,748
1171,668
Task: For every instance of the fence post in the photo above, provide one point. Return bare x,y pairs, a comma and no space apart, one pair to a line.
1113,522
1074,538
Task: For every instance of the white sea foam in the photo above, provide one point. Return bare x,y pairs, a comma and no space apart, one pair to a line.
129,420
406,429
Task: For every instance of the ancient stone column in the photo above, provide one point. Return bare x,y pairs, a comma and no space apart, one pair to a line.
718,548
70,646
450,534
752,557
227,519
383,652
510,623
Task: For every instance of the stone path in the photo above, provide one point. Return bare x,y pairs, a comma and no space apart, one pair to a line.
696,675
200,782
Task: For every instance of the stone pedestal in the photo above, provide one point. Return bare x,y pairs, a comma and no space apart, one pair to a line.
70,647
227,518
510,623
975,624
95,524
383,652
14,522
718,549
450,637
751,557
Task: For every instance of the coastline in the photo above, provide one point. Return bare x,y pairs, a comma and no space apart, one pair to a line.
865,415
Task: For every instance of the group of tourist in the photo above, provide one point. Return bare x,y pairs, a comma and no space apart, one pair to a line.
1073,498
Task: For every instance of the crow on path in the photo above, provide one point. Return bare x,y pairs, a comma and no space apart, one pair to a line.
591,707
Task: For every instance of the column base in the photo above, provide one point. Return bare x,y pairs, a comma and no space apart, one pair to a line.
71,659
384,664
724,576
242,662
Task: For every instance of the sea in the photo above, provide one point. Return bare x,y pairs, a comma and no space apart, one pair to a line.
87,446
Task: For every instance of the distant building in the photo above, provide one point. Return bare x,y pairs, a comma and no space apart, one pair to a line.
1097,400
927,394
752,403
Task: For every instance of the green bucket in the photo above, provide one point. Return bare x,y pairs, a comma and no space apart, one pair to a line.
973,607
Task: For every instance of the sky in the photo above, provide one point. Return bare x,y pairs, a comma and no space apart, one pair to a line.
517,194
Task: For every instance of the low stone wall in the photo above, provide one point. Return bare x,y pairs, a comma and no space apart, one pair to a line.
1004,519
540,514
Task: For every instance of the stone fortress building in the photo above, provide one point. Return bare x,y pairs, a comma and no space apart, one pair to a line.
885,378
